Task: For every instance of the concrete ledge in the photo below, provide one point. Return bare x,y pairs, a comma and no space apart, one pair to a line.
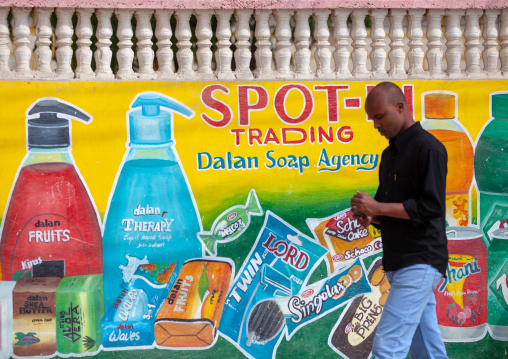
261,4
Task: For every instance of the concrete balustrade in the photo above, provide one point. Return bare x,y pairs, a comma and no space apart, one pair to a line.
392,41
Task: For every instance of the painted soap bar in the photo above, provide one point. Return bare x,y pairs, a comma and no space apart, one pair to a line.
6,318
79,308
34,316
191,313
129,322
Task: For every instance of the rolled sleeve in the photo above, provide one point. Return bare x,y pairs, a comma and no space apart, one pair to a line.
430,202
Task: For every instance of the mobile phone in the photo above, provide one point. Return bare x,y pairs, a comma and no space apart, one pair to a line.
360,214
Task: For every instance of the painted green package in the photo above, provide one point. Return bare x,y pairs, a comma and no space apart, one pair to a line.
79,309
231,223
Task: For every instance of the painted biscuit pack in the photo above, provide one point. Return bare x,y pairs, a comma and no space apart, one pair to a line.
34,316
344,238
324,296
231,223
79,308
353,335
285,251
130,319
192,311
6,288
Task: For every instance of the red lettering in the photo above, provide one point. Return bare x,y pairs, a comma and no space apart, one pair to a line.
271,137
344,134
291,254
303,261
332,99
279,103
327,136
237,132
271,237
210,102
301,131
244,105
255,135
276,250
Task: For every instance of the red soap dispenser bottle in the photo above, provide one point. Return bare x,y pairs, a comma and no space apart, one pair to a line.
51,227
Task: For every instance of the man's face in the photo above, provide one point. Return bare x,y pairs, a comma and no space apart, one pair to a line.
387,117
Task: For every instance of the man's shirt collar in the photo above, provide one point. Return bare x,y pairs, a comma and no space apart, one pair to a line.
400,142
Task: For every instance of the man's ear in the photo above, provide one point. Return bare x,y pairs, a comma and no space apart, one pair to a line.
400,107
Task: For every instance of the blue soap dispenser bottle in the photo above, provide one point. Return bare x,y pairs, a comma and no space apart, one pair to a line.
151,213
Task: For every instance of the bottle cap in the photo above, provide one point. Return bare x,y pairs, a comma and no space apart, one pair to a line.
48,122
149,125
501,233
439,105
500,105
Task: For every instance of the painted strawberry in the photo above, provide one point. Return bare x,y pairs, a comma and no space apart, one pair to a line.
467,312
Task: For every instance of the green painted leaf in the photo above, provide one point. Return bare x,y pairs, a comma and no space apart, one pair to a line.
22,273
203,284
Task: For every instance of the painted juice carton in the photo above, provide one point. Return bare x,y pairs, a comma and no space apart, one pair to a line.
129,322
344,238
353,335
79,309
462,296
34,316
498,285
192,311
6,288
289,254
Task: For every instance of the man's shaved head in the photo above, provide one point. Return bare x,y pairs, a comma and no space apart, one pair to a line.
386,105
389,92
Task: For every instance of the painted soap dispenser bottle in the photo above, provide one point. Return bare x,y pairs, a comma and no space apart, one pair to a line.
441,120
51,227
151,211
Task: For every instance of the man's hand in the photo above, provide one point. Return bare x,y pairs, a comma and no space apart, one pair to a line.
365,204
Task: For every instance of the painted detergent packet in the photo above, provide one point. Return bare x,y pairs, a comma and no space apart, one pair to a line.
231,223
129,322
324,296
284,255
344,238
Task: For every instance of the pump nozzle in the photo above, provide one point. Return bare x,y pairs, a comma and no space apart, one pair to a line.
151,126
48,122
151,102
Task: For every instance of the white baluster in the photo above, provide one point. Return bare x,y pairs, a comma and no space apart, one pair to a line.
341,54
434,35
64,52
243,54
302,42
359,34
22,51
472,34
224,55
144,51
5,52
322,54
504,42
204,35
43,33
453,35
84,54
103,54
184,54
125,54
283,36
490,44
163,33
263,54
415,36
397,55
378,35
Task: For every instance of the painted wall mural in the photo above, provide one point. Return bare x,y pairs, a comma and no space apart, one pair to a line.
225,229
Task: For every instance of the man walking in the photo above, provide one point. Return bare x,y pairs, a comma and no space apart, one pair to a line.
409,207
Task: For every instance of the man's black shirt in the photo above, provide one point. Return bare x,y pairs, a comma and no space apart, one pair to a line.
413,172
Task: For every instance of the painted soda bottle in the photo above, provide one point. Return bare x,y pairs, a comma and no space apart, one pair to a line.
462,296
51,225
498,285
440,119
491,170
151,212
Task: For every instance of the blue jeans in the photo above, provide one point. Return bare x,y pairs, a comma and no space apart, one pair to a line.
409,320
